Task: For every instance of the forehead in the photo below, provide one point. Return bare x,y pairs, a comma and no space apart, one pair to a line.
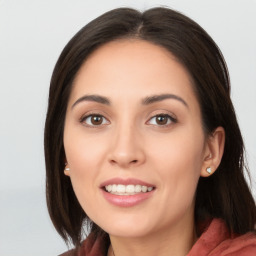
132,67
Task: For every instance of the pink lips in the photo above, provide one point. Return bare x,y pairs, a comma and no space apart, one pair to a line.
126,200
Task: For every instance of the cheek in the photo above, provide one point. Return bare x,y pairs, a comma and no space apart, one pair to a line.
83,151
181,150
83,175
83,156
178,160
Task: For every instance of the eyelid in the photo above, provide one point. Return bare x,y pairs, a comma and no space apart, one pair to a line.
89,114
171,117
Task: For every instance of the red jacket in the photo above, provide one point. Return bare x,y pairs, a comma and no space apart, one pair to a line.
214,241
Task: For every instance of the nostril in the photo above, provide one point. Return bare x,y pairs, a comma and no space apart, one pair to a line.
113,161
123,161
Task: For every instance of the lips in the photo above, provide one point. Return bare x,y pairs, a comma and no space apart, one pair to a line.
126,192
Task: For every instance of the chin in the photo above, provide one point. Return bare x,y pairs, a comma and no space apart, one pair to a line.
128,232
127,227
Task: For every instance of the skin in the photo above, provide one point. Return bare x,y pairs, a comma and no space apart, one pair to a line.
130,143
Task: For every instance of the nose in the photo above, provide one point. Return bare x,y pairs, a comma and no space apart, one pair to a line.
126,148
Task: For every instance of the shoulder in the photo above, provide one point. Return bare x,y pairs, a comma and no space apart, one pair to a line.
244,245
216,240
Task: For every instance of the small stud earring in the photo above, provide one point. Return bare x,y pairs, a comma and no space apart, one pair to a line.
66,170
209,170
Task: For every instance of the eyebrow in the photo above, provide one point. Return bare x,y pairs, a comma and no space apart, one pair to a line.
146,101
94,98
156,98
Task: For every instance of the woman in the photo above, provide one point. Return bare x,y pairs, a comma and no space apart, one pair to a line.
142,144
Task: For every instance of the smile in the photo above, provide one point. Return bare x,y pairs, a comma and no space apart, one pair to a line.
120,189
126,192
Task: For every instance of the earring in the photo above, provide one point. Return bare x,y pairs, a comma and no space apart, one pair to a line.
66,170
209,170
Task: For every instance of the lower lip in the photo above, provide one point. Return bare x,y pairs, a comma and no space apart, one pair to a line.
126,201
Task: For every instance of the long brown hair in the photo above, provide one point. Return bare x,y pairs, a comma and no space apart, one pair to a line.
225,194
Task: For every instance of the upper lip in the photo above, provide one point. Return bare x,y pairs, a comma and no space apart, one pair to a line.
128,181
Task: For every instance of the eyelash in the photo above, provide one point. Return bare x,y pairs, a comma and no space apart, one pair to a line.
83,119
170,120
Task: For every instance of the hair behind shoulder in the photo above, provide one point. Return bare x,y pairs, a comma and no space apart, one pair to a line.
225,194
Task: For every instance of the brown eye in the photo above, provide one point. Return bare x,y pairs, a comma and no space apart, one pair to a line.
94,120
162,120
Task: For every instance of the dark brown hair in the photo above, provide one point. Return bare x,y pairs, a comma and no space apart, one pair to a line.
225,194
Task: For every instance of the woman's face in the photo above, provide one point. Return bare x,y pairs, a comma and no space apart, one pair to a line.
133,139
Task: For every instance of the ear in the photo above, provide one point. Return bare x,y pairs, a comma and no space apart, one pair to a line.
67,170
213,152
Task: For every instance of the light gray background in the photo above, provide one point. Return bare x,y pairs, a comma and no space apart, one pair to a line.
32,35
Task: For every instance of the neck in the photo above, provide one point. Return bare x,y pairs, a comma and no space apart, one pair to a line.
177,241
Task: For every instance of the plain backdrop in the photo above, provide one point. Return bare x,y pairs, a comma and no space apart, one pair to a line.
32,35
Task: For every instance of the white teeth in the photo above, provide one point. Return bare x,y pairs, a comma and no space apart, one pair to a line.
114,187
120,189
144,189
138,188
108,188
130,189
